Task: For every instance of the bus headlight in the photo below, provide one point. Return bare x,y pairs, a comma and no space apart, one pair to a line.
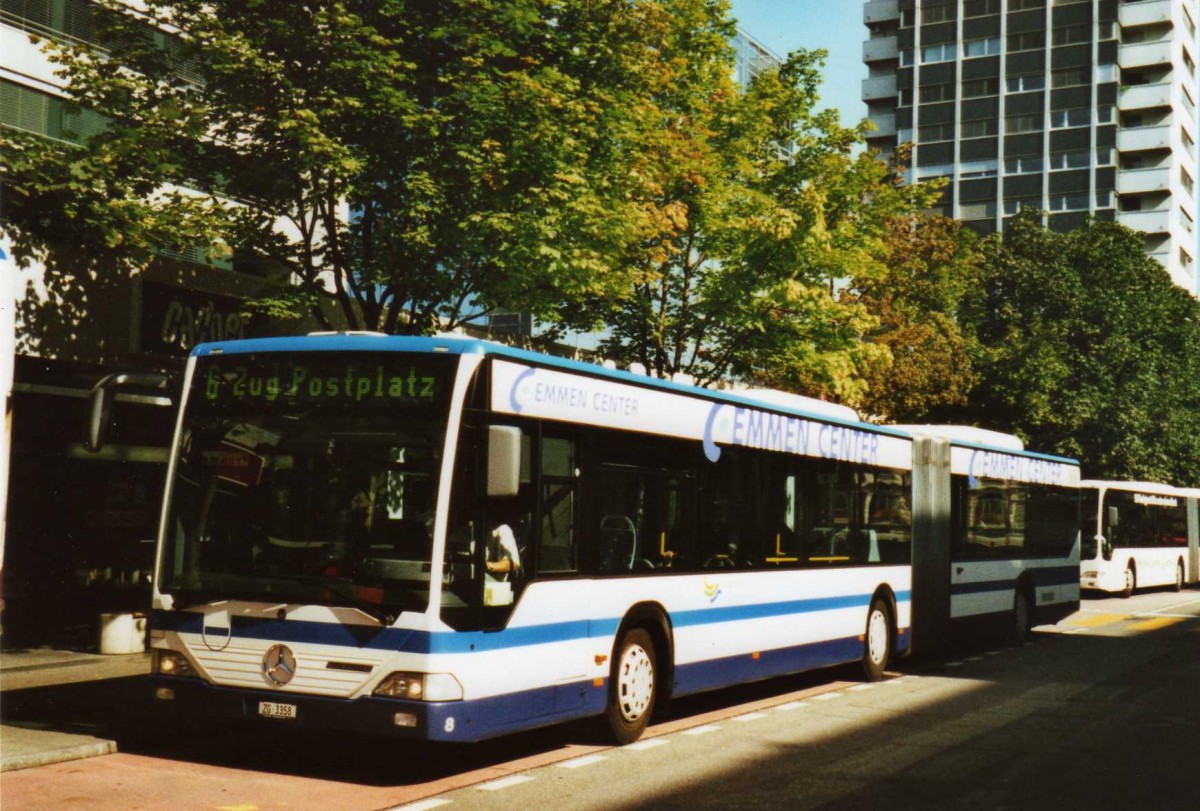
420,687
171,663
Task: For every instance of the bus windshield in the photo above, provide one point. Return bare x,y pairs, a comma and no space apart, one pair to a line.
308,478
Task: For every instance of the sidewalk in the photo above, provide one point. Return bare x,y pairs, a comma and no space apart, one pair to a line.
61,705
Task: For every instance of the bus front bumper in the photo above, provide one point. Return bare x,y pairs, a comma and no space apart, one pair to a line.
194,699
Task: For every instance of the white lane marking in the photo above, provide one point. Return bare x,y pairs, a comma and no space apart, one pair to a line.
753,716
858,688
505,782
704,730
993,653
788,707
954,664
421,805
827,697
974,659
579,762
649,743
1074,631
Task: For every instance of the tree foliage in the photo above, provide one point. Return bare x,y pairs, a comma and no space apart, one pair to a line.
1086,348
930,266
414,163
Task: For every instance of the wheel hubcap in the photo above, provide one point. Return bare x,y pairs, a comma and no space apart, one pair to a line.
1129,580
877,637
635,682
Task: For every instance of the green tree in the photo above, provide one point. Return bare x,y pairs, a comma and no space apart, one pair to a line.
756,204
1088,349
930,266
413,163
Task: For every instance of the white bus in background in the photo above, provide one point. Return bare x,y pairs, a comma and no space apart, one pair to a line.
1138,535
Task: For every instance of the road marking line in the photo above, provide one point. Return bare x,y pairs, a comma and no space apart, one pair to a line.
421,805
505,782
788,707
704,730
827,697
858,688
580,762
993,653
753,716
1074,631
954,664
974,659
649,743
1155,624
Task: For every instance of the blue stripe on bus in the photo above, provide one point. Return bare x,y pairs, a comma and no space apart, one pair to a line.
412,641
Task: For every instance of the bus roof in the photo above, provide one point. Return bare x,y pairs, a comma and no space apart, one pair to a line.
1142,487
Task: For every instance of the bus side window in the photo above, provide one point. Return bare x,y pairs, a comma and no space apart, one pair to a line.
558,505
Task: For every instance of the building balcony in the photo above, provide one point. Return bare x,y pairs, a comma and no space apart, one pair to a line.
1145,96
1145,54
1143,181
1143,138
1148,222
879,11
881,49
879,87
1145,12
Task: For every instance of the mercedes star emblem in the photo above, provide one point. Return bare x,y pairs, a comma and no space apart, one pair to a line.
279,665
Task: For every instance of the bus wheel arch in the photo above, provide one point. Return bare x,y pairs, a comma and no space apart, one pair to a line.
644,633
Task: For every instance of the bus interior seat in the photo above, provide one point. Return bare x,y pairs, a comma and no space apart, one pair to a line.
618,543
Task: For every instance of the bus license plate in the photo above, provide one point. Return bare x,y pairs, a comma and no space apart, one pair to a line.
273,709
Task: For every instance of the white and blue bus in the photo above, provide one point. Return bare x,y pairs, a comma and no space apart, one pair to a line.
1138,535
450,539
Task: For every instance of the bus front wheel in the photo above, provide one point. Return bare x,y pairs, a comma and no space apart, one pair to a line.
877,643
1021,617
1179,576
1130,581
632,688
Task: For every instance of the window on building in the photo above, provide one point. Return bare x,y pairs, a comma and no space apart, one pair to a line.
1072,34
977,211
1130,203
1076,117
1027,41
980,8
1025,5
935,132
979,127
981,47
981,87
945,52
906,58
1027,122
1023,164
971,170
937,13
1069,202
904,98
1071,77
1188,140
1187,222
1188,184
1078,159
1185,259
1014,204
1106,73
937,92
1104,156
1104,198
1025,82
1189,63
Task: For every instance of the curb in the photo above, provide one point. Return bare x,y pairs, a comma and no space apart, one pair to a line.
46,751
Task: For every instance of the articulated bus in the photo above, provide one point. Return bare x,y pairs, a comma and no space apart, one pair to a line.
449,539
1138,534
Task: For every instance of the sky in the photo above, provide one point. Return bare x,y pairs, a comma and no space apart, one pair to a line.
835,25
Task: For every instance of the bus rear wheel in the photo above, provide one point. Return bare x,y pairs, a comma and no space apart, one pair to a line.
632,688
877,642
1021,619
1178,576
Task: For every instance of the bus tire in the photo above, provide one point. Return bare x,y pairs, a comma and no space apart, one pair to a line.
633,686
877,641
1022,616
1178,576
1130,580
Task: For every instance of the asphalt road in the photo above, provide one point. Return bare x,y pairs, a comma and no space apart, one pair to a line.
1101,711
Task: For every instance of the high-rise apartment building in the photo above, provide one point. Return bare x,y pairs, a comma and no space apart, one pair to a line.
1076,107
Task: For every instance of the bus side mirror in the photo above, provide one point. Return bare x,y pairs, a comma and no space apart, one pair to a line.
105,392
1114,516
504,460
